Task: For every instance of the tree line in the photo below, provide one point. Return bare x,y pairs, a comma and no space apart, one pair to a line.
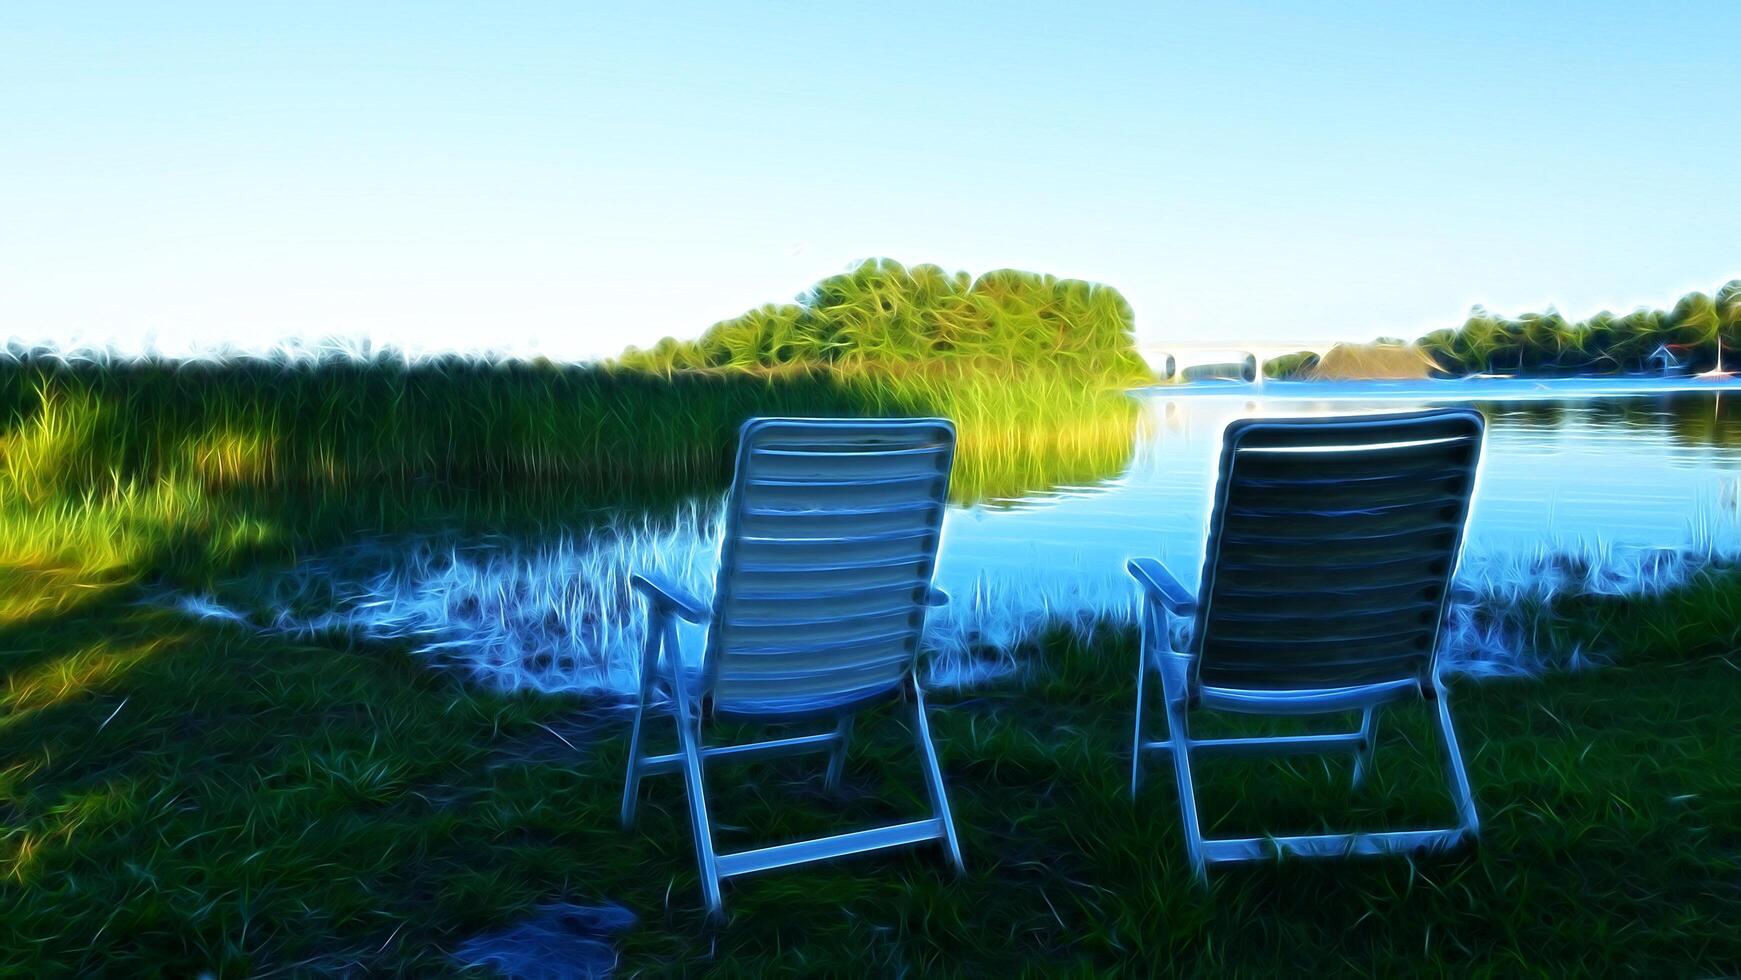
1699,331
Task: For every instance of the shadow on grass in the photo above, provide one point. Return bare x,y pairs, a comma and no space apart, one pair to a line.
203,798
180,796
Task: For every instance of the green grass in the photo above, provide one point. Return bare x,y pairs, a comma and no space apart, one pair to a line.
314,454
189,474
178,796
186,471
1032,369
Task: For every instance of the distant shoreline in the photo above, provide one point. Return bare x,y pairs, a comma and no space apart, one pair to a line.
1469,388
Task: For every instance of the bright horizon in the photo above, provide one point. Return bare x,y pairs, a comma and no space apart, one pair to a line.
570,182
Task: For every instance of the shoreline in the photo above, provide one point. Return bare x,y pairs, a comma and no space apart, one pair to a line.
1472,388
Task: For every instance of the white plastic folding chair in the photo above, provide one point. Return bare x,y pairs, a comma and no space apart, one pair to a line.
1332,545
824,582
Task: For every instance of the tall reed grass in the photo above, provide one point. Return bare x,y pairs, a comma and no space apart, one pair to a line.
197,460
587,433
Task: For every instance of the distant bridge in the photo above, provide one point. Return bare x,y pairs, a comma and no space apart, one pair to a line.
1241,363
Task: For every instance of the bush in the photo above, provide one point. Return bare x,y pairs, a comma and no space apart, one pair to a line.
883,315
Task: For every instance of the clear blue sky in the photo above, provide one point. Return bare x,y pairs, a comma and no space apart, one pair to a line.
579,177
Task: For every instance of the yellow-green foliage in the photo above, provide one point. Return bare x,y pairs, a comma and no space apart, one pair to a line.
1296,365
149,464
883,314
596,433
50,450
1546,343
1030,367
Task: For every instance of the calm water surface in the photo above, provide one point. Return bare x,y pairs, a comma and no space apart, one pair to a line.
1611,463
1612,470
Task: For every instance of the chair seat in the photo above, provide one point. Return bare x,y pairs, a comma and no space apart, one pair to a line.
1307,702
1175,669
779,709
799,709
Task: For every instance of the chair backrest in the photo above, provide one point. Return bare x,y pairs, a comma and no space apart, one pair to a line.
1331,549
830,543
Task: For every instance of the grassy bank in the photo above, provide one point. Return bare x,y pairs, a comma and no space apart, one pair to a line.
180,795
186,468
340,426
186,475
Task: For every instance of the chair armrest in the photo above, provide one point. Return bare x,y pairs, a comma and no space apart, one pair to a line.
936,597
667,595
1160,586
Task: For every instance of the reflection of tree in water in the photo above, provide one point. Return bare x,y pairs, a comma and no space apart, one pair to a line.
1693,420
1701,421
1690,419
1067,445
1530,415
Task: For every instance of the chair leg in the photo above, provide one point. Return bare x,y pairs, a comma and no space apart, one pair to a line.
649,668
689,735
1457,775
934,779
632,782
1179,738
837,756
1142,676
1368,742
1179,735
698,820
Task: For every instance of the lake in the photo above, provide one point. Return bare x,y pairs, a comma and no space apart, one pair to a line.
1638,481
1622,464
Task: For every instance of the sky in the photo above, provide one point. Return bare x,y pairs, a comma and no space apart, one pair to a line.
572,178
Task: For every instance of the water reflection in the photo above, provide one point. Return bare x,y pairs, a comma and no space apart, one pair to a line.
1070,446
1593,491
1637,470
1611,479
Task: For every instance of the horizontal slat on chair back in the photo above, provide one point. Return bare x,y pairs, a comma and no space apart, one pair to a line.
1331,548
830,546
